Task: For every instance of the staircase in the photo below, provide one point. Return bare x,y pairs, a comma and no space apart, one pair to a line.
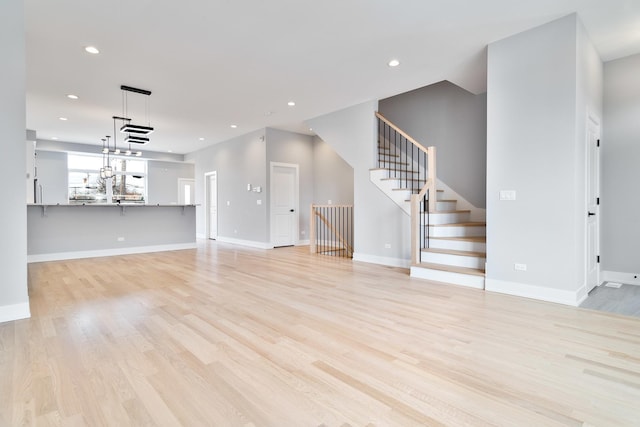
449,247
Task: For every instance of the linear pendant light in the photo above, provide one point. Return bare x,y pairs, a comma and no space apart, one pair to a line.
130,127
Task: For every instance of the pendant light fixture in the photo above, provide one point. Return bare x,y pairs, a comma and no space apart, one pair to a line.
136,133
108,170
129,127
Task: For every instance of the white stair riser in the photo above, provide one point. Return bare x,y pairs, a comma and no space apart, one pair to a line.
446,206
468,280
457,231
458,245
456,260
448,218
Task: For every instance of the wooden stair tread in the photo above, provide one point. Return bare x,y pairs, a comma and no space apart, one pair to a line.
451,268
478,239
448,212
455,252
460,224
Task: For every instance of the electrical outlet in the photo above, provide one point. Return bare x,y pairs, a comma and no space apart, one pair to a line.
120,239
302,233
259,202
387,245
228,203
520,267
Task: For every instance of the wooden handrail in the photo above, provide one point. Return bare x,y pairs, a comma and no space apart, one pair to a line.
401,132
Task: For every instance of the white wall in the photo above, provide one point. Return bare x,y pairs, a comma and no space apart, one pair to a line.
455,122
14,298
378,221
620,148
539,85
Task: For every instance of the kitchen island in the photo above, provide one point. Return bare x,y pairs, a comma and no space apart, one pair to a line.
57,232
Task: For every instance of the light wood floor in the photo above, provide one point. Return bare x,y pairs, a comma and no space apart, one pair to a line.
224,335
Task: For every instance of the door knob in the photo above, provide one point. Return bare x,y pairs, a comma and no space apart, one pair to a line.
591,213
291,210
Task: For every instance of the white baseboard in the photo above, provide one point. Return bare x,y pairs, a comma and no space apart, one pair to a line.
303,243
201,236
14,312
617,276
59,256
572,298
375,259
250,243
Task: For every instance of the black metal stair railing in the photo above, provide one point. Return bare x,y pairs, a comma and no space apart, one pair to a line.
332,230
404,160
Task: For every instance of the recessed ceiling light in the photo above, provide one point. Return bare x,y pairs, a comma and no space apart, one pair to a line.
394,63
234,126
54,137
92,49
169,151
201,139
64,119
72,96
291,103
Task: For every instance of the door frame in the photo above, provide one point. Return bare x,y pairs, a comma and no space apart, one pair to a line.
207,203
593,124
181,183
296,228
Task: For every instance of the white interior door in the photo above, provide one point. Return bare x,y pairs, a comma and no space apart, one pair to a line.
186,190
593,185
284,204
212,205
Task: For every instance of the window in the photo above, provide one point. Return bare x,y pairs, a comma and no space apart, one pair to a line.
128,184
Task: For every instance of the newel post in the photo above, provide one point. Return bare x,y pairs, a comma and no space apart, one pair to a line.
415,229
431,168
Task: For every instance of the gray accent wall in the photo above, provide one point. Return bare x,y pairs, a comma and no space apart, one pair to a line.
381,230
293,148
14,298
333,176
620,157
162,180
247,160
541,83
455,122
238,162
53,176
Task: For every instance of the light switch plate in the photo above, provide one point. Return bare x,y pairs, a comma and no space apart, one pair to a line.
508,195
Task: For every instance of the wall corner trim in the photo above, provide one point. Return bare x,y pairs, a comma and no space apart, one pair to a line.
375,259
572,298
12,312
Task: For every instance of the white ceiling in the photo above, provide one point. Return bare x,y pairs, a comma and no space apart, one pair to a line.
213,63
